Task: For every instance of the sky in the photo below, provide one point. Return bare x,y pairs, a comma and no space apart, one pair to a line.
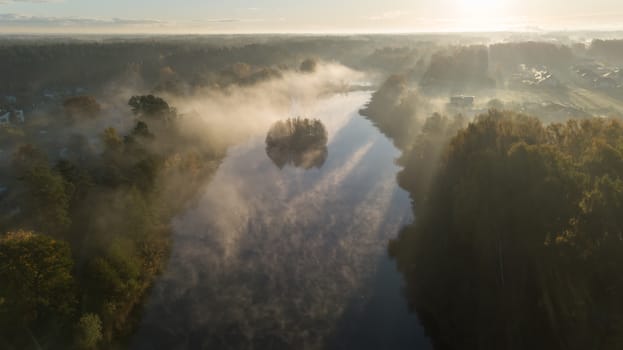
309,16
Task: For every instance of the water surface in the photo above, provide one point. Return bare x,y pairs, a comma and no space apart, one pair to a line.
284,257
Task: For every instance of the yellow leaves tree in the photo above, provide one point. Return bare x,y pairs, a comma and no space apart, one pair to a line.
35,275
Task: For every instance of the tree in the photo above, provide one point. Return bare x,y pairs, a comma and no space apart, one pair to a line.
150,106
394,109
459,68
300,142
518,242
47,196
309,65
420,163
88,331
111,140
78,107
35,275
142,130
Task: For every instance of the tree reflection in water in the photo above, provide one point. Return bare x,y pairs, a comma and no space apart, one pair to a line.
298,142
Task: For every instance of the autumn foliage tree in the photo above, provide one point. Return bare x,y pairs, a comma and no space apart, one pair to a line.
36,279
519,240
80,107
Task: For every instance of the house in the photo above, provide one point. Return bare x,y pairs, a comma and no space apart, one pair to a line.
5,118
548,80
543,77
18,114
600,76
462,101
616,74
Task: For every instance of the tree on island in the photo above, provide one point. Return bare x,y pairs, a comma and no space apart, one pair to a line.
300,142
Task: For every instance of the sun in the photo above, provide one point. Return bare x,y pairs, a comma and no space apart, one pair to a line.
475,7
482,14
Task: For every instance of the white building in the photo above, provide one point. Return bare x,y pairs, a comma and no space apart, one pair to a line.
5,118
16,116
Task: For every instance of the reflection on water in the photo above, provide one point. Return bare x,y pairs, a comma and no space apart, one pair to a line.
299,142
290,258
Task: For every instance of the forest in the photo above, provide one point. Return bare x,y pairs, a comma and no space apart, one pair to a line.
92,229
514,217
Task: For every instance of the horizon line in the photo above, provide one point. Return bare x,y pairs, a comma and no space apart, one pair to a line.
313,33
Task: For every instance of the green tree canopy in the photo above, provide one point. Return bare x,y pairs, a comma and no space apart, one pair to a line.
153,107
47,196
35,275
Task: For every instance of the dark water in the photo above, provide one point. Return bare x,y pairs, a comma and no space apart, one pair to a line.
290,258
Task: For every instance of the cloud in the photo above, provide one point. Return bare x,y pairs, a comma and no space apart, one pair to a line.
4,2
387,15
219,20
230,20
11,19
19,20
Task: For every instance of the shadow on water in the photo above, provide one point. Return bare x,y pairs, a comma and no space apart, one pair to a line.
298,142
380,319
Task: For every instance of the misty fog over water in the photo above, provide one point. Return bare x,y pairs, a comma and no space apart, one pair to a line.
290,258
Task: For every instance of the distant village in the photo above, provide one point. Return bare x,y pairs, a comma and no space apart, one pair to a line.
600,76
14,110
16,117
533,77
591,74
9,112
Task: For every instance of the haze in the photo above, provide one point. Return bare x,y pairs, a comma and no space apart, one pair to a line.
317,175
322,16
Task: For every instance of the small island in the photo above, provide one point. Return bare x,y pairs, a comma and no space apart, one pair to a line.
298,142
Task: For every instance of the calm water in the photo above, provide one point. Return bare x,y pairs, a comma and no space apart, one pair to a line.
290,258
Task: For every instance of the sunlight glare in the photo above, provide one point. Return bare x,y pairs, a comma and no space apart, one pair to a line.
476,14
